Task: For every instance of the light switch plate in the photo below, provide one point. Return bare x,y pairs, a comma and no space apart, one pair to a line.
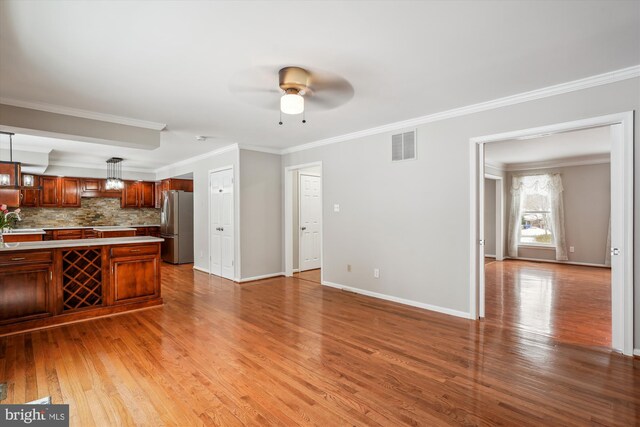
336,208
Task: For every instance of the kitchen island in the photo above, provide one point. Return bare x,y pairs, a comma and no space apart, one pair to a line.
48,283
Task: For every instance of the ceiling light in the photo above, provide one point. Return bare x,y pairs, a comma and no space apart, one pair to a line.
114,174
292,103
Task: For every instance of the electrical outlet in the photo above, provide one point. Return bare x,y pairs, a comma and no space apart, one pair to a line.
336,208
349,268
376,273
572,249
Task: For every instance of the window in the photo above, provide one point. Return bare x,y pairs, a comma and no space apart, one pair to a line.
535,217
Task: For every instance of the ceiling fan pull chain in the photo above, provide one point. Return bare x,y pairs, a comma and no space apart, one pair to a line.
280,122
304,117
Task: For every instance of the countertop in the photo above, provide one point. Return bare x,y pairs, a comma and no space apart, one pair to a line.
23,231
94,226
56,244
114,228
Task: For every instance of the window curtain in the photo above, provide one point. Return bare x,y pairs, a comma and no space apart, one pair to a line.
545,183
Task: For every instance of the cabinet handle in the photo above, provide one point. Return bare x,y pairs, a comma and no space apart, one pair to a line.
18,259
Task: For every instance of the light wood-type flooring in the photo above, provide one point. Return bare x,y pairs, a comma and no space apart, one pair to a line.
567,302
286,351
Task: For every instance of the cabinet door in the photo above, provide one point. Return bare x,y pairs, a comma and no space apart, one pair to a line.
24,293
135,278
70,192
29,197
49,191
146,192
90,184
130,195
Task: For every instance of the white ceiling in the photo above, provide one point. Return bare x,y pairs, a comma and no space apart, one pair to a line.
176,62
578,145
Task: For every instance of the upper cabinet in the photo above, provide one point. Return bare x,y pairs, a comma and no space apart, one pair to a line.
178,184
29,197
95,187
138,194
59,192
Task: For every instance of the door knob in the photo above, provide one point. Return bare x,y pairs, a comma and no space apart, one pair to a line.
221,229
303,228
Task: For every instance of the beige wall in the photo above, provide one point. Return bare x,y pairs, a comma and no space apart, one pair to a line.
409,221
200,170
261,214
490,216
587,207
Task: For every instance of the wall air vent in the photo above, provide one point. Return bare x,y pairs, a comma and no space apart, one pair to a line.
403,146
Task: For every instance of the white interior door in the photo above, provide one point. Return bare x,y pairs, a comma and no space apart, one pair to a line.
310,214
222,230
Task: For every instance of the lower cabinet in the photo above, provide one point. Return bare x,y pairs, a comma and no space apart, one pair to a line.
25,292
41,288
135,273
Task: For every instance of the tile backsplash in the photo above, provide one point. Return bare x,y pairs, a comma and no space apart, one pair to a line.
94,211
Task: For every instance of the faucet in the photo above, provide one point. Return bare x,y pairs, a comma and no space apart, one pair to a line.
17,215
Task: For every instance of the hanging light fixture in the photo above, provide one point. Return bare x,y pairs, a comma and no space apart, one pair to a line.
292,102
114,174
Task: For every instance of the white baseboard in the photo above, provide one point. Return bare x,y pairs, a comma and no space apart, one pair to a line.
264,276
636,352
204,270
436,308
295,270
489,256
553,261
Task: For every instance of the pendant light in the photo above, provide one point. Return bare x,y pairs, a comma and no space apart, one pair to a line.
114,174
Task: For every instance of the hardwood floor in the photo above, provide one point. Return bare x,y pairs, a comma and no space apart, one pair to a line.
286,351
567,302
309,275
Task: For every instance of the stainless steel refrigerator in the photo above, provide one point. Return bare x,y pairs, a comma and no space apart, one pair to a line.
176,227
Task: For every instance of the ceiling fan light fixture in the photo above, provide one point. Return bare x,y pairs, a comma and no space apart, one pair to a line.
292,103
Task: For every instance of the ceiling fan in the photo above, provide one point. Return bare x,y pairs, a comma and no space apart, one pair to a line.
299,89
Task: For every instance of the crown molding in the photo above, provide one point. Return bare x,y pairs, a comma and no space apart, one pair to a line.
85,165
260,149
572,86
85,114
559,163
204,156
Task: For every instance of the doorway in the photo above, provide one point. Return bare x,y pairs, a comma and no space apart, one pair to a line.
221,223
303,221
621,217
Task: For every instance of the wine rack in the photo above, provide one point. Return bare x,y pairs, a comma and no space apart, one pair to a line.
81,278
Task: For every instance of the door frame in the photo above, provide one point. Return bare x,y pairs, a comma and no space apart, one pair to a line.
622,335
288,216
236,231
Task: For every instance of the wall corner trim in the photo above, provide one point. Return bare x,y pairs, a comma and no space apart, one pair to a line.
430,307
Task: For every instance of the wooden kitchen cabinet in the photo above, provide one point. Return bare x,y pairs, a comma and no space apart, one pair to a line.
178,185
59,192
135,273
25,291
95,187
130,195
49,191
30,197
70,192
138,194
